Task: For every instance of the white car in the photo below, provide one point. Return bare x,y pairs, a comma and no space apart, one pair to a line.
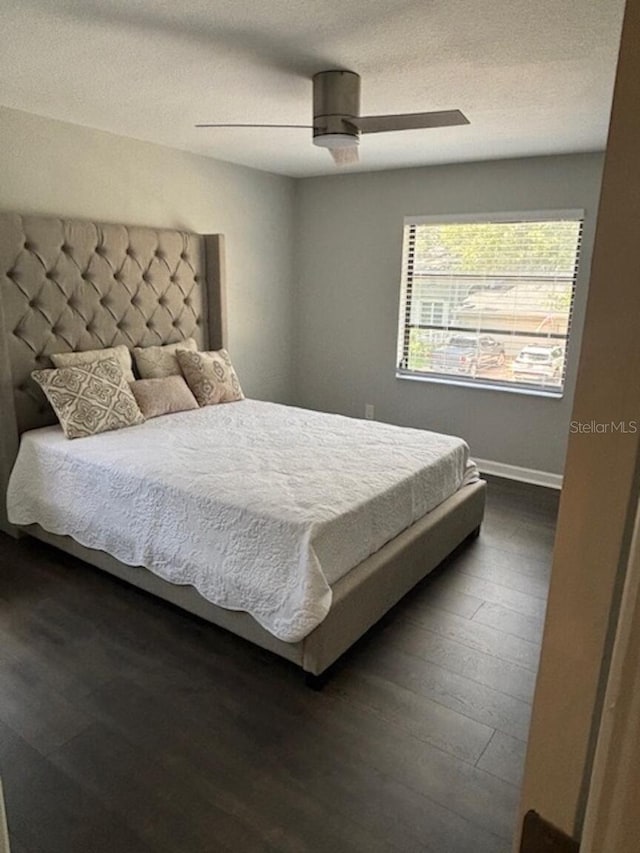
538,362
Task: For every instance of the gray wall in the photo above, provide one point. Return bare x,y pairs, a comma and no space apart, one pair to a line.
326,339
348,257
58,168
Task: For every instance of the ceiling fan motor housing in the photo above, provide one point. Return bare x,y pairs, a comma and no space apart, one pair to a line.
336,100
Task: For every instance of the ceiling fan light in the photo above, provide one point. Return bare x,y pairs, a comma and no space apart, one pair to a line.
336,140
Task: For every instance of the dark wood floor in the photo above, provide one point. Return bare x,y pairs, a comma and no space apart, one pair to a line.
127,726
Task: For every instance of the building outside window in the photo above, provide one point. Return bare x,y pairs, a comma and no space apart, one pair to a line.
488,300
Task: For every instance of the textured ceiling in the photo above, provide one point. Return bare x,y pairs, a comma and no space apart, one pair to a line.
533,77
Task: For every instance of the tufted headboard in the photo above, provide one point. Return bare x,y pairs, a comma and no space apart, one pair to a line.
77,285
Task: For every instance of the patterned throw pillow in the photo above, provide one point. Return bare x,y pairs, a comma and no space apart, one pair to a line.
158,362
163,396
90,398
211,377
71,359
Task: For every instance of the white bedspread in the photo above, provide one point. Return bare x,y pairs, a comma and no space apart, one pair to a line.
259,506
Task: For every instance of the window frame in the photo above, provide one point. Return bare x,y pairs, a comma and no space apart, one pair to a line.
547,215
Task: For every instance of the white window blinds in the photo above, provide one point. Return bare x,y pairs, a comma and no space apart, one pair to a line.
489,301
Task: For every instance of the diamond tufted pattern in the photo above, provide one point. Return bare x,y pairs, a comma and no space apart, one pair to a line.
74,285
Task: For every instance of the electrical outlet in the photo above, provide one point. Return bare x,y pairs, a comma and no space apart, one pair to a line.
369,411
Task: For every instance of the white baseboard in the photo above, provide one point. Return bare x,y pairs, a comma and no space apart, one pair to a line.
523,475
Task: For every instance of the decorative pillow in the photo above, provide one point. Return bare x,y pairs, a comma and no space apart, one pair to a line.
90,398
71,359
158,362
211,376
163,396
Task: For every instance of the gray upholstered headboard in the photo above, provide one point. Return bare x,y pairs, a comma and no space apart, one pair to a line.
78,285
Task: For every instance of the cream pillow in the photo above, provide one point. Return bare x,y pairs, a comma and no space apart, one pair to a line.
120,353
163,396
158,362
211,377
90,398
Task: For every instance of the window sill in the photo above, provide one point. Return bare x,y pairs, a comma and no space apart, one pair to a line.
482,386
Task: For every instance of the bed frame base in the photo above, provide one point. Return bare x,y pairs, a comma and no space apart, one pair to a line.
360,598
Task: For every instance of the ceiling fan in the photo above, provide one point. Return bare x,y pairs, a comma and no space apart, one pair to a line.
337,123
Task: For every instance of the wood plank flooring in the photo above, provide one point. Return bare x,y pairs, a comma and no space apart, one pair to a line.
127,726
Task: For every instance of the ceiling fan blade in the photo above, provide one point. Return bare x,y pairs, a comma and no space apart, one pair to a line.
216,124
409,121
345,156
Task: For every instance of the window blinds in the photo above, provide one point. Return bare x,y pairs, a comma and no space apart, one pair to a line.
489,301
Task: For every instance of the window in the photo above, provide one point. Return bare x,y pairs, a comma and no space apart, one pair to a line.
489,300
432,312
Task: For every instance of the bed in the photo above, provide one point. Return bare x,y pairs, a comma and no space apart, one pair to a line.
76,285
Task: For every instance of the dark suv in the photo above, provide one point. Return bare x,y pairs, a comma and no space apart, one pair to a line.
467,354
